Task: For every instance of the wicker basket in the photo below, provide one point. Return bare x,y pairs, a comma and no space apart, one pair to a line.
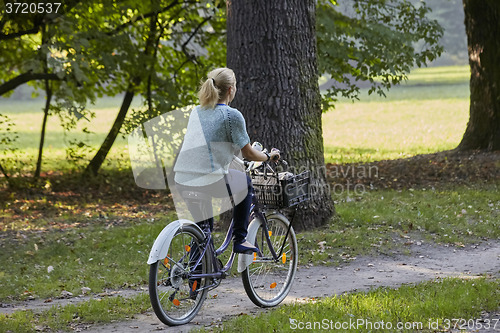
275,193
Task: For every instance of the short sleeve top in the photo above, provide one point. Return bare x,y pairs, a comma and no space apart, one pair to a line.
212,137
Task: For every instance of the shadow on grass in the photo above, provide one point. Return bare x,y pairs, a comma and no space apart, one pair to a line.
62,199
442,169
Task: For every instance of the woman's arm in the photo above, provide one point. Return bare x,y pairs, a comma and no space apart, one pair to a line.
254,155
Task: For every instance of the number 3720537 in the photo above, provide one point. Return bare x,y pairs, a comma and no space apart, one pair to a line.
32,8
463,324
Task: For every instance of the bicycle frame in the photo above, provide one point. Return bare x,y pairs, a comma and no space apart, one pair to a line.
220,272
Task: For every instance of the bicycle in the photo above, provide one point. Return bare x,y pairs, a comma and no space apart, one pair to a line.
184,263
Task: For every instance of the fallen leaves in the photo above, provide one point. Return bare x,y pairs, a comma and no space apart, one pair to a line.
428,170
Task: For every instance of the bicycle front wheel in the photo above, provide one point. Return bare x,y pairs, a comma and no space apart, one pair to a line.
267,281
176,298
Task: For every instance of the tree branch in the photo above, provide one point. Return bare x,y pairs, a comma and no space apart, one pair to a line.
190,57
195,31
38,22
141,18
23,78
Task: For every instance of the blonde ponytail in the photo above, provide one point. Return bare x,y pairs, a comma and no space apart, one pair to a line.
216,87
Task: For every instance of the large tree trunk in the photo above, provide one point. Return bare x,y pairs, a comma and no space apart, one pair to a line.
271,46
482,25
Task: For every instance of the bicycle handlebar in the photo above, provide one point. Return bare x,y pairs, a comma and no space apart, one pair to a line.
252,165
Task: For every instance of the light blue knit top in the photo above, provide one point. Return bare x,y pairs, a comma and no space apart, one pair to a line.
212,137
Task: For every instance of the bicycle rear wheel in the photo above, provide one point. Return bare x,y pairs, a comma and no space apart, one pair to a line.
175,298
267,281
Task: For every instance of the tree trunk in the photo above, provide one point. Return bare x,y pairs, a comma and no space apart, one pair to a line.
48,91
149,49
482,25
4,172
271,46
99,158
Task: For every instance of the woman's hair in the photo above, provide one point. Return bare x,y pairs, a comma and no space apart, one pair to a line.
216,86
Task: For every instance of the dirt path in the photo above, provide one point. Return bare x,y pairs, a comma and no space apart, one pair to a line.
426,262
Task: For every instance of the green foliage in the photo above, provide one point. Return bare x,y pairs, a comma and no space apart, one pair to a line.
157,49
97,47
195,42
375,42
8,138
161,49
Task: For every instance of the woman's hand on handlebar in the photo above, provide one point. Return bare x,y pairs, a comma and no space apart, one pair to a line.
275,155
253,154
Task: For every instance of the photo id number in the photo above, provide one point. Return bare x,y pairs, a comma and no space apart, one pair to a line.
32,8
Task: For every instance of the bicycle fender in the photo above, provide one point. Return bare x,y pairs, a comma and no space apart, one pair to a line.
244,260
162,242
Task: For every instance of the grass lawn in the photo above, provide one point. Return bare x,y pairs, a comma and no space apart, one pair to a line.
387,221
429,307
427,114
105,254
74,317
99,257
28,116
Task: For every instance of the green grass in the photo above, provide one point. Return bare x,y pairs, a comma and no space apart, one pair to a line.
426,114
429,306
97,257
415,118
27,116
439,75
432,304
387,221
102,255
74,316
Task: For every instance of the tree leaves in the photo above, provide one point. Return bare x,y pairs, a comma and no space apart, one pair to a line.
97,47
372,44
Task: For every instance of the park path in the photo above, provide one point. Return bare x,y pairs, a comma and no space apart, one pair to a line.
426,262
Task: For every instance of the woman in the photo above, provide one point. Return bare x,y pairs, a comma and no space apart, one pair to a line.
215,133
